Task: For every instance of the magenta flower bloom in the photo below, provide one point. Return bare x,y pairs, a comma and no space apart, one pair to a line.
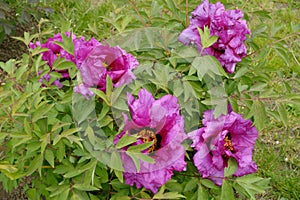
158,121
227,25
219,139
81,49
105,61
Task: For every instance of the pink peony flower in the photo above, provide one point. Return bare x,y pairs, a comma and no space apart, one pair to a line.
227,25
81,49
158,121
105,61
219,139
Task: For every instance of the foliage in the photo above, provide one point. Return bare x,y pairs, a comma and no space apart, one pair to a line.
16,16
47,135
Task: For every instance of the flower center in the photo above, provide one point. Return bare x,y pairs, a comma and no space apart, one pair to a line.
148,136
104,64
228,144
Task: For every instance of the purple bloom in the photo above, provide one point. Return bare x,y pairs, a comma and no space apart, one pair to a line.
105,61
219,139
158,121
227,25
81,49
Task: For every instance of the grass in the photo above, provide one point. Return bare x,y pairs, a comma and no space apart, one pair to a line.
277,149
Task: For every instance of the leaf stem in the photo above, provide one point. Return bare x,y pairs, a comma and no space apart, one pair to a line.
186,13
137,11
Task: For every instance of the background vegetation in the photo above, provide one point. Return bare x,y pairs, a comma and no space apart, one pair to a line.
265,88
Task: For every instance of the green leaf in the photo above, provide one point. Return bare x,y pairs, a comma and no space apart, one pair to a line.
49,156
83,187
7,167
78,195
141,156
62,63
282,52
41,112
202,193
191,185
67,133
35,164
119,175
116,162
253,184
135,160
32,194
136,157
89,132
209,184
241,72
80,169
140,147
101,94
227,191
64,195
58,189
82,109
208,65
109,87
126,140
231,168
67,43
260,116
38,51
282,113
206,39
168,195
61,152
8,67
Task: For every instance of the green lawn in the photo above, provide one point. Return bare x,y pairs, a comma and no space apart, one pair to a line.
274,59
